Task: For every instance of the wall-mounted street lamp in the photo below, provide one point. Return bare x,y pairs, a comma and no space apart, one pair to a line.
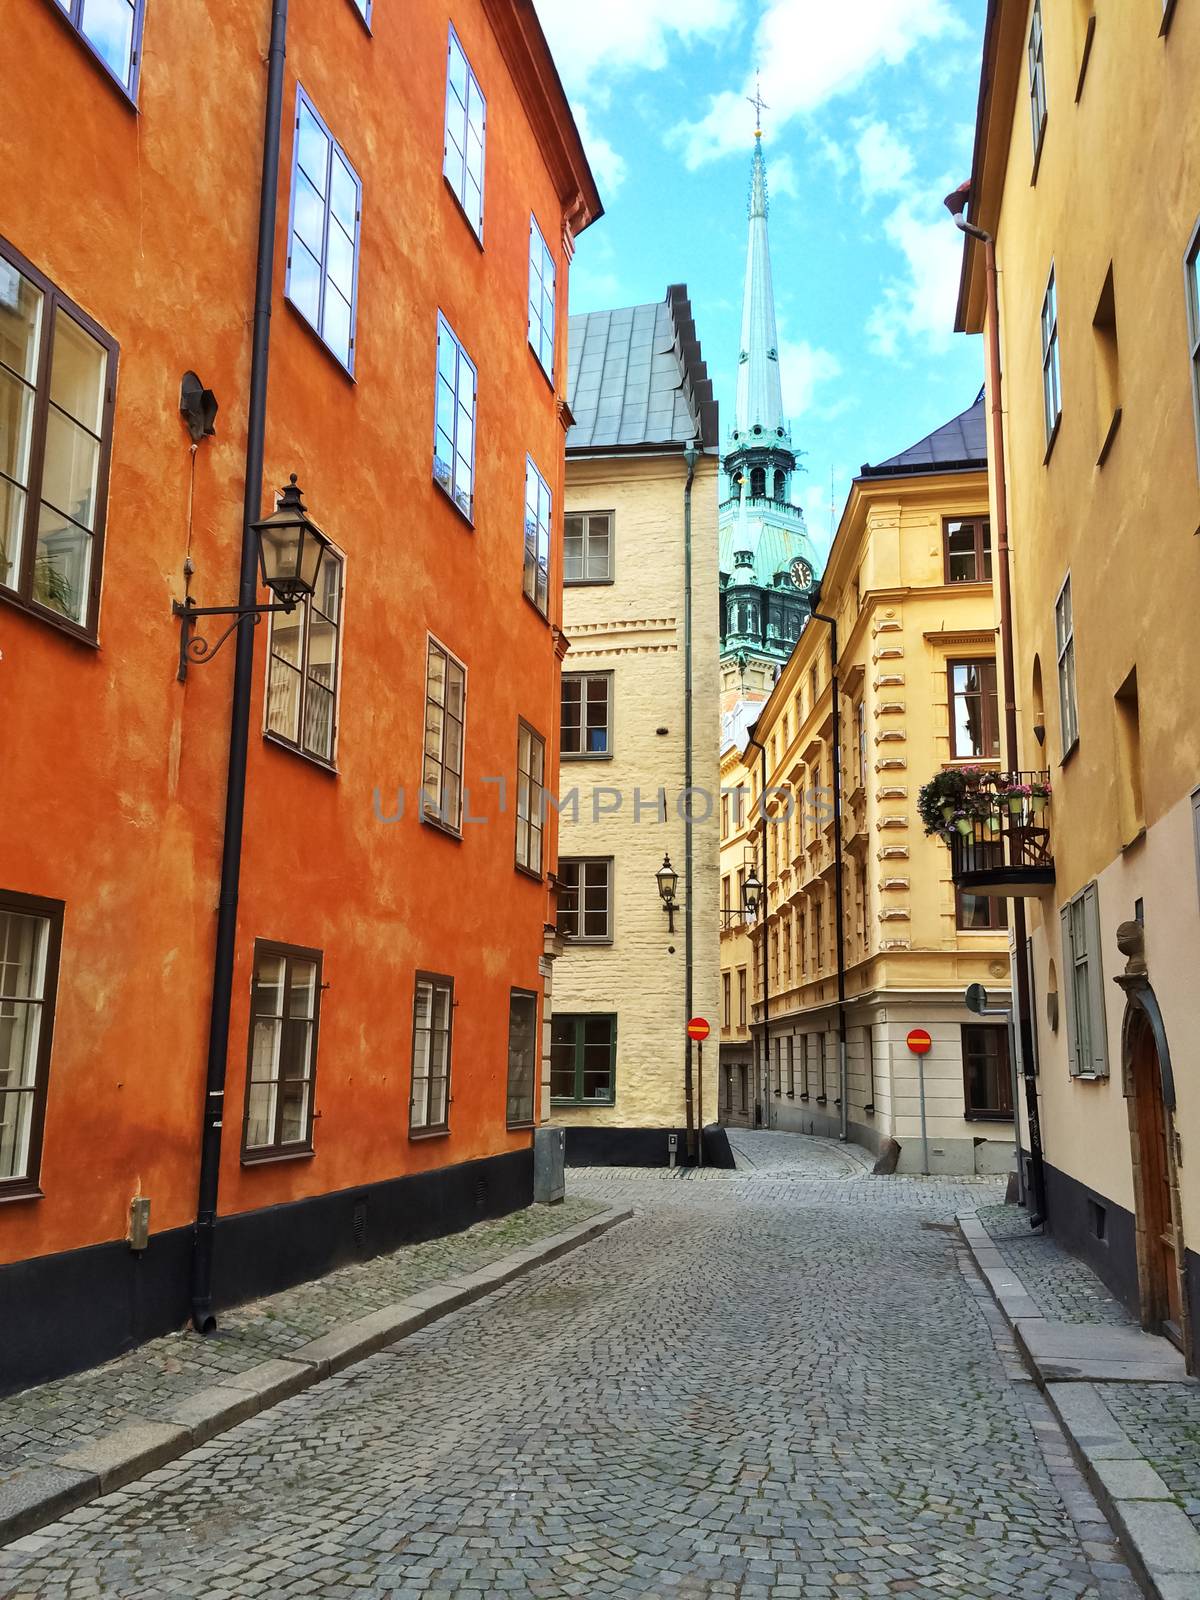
290,551
751,893
668,881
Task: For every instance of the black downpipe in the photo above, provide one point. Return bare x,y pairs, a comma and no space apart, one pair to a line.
695,1114
243,671
838,871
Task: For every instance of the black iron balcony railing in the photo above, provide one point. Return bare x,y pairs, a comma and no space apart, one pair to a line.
999,836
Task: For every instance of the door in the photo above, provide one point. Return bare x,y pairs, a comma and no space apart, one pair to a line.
1161,1290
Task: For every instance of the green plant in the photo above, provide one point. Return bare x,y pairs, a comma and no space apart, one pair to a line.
955,793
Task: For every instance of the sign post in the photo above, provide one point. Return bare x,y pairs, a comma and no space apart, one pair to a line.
919,1043
698,1030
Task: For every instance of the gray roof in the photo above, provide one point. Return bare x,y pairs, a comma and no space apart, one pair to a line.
958,445
636,380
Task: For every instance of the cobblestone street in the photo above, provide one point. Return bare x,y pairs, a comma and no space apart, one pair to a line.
777,1382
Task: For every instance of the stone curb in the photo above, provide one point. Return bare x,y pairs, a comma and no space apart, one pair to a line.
1156,1534
34,1496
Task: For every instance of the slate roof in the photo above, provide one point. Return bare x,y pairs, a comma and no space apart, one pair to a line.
959,445
636,379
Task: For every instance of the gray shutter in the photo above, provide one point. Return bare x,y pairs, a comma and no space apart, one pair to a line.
1066,989
1091,912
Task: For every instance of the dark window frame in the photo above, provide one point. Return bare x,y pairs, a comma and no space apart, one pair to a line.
982,532
997,906
1035,50
364,9
54,302
989,720
435,816
585,678
304,611
1191,289
534,820
580,1018
276,1149
609,863
1051,361
71,15
743,997
585,518
28,1186
438,981
519,1120
336,152
996,1064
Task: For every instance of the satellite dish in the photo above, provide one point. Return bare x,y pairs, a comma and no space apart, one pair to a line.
976,998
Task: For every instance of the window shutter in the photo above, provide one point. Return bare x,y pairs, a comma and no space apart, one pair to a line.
1066,987
1099,1033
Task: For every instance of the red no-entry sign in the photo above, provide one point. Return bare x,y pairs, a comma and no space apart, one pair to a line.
919,1042
698,1029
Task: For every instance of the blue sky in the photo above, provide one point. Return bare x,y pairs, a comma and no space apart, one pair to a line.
870,124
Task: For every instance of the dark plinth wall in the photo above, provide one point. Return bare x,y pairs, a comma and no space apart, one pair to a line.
642,1147
63,1312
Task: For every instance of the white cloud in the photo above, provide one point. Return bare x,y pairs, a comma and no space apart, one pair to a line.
803,368
920,303
810,53
607,163
781,177
885,163
621,35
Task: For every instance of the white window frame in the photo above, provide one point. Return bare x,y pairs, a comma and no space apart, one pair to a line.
583,753
302,614
1191,289
331,229
585,532
542,277
1083,985
539,506
457,477
465,131
438,814
604,864
440,989
1036,54
1051,368
1064,642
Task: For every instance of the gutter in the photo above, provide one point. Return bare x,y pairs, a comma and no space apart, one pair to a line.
204,1233
695,1116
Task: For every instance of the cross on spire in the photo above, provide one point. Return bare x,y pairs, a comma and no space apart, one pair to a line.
759,104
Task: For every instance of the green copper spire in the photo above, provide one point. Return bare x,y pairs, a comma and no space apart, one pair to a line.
759,395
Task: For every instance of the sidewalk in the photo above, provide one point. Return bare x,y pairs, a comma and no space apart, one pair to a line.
62,1443
1130,1411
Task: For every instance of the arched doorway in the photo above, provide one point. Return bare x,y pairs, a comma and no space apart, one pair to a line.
1159,1245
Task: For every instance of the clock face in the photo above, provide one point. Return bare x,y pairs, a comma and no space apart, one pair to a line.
801,573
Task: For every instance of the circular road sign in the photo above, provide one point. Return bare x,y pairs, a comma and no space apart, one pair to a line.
698,1029
919,1042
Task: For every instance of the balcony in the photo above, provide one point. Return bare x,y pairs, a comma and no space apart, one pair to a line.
997,826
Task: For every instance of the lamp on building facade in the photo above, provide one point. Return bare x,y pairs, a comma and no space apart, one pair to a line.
668,881
751,893
290,550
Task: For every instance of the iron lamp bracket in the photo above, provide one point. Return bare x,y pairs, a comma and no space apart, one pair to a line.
193,647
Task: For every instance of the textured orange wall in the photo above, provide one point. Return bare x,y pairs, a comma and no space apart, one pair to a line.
112,787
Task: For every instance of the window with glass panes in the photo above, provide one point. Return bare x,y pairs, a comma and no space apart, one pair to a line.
433,1027
583,1058
322,265
987,1082
1087,1040
726,999
741,997
454,421
1192,296
974,718
522,1057
445,722
57,378
285,1002
587,713
1064,635
537,537
967,545
791,1060
1051,382
531,770
541,299
30,940
364,9
302,667
112,31
585,898
587,547
979,912
1037,80
466,134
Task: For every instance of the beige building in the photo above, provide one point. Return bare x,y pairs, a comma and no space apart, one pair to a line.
908,584
1087,173
740,851
631,973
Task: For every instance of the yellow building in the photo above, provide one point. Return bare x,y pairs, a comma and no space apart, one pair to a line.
740,860
1087,173
908,584
630,975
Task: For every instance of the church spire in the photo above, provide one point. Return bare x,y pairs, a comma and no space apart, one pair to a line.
758,414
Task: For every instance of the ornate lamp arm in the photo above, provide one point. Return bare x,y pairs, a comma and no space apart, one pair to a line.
193,646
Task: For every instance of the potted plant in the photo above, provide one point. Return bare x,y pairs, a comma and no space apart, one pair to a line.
939,800
1016,794
1039,794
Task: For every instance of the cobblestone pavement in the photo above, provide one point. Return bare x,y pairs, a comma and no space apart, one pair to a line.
1065,1288
776,1384
1163,1420
38,1425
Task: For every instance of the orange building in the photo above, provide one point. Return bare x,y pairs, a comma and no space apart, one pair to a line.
402,349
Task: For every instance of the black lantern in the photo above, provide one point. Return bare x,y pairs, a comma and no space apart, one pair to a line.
668,881
751,893
290,548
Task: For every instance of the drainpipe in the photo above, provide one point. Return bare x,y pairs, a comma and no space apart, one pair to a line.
956,204
838,865
695,1119
203,1237
764,906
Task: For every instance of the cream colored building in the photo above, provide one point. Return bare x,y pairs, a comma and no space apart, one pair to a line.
1087,173
908,584
623,991
739,853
